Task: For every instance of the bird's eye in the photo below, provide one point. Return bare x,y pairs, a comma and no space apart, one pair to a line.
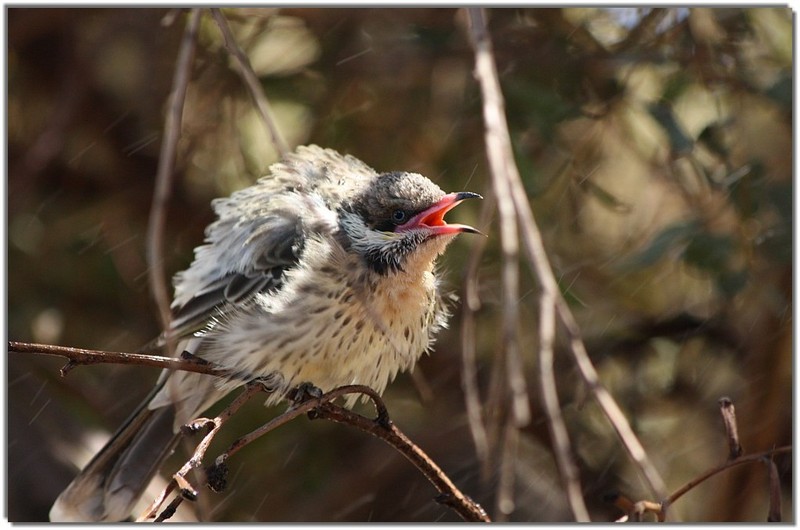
398,216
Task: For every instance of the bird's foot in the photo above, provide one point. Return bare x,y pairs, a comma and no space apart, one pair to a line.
305,392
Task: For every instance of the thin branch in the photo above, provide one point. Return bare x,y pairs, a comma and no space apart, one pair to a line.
179,478
756,457
555,421
498,141
166,166
499,147
504,501
469,372
81,356
253,84
449,494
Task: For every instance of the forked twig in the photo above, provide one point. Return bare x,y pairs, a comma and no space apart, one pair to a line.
179,478
756,457
321,407
734,458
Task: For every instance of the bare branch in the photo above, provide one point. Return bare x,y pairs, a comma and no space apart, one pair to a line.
81,356
756,457
179,478
498,149
469,372
166,165
251,81
502,159
555,421
449,494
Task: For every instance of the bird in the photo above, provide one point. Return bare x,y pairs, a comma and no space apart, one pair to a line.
322,273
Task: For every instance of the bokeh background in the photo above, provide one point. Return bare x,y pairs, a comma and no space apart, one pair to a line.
656,148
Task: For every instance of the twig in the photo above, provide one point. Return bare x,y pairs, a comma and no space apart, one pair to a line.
449,494
719,469
504,501
728,412
321,407
179,478
299,410
469,372
251,81
500,148
166,166
497,143
81,356
555,421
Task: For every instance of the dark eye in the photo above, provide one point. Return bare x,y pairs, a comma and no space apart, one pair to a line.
398,216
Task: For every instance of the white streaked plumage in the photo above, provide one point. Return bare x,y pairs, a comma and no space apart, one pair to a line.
321,273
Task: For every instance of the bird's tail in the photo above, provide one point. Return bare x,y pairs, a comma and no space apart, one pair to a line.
110,485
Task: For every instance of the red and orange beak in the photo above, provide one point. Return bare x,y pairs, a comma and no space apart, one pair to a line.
433,217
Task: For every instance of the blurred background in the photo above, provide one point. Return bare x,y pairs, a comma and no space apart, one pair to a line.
655,146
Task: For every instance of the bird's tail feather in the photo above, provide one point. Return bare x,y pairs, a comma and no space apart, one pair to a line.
112,482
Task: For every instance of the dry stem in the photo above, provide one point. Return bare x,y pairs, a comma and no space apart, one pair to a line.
251,81
166,166
504,168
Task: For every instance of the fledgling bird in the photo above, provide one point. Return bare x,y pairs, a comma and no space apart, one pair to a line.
322,272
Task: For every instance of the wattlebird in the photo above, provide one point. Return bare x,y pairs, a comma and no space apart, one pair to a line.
322,273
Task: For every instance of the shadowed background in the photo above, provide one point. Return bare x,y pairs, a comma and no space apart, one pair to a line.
656,146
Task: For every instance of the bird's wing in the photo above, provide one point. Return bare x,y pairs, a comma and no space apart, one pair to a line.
246,258
260,232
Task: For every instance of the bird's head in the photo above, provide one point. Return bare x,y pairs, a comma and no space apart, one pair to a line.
397,222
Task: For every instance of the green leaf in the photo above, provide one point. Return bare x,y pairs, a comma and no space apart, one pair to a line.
709,251
673,235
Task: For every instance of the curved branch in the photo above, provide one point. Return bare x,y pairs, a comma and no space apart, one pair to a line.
719,469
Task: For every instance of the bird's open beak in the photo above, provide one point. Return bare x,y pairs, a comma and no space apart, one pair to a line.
433,217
